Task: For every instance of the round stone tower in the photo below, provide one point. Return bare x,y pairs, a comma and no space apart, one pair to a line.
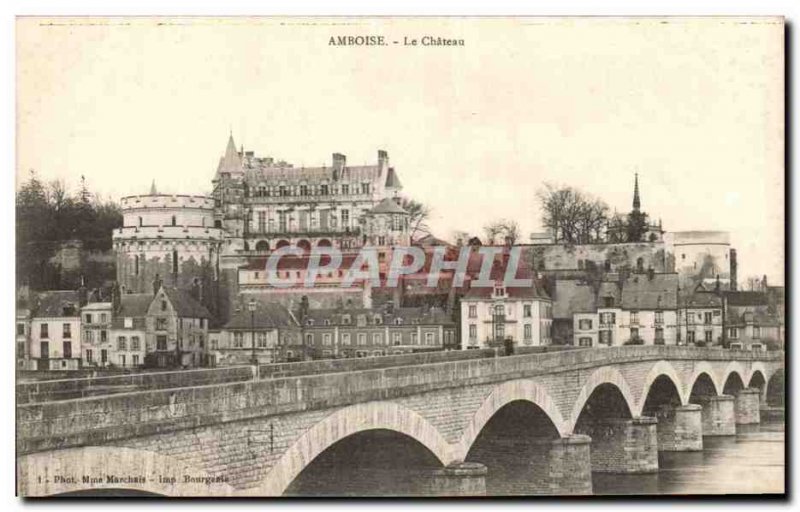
169,239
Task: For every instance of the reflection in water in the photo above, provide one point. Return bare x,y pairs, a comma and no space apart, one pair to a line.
387,464
750,463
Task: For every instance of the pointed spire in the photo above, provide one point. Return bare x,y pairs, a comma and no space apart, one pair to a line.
153,190
231,161
636,202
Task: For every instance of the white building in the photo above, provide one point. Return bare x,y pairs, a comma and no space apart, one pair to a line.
55,340
490,315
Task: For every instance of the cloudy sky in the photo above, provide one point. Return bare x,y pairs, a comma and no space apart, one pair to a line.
694,106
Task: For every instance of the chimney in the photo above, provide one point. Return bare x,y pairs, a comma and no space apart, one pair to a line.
339,161
734,269
156,284
383,159
764,283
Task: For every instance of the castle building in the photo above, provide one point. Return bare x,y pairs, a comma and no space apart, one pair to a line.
170,238
262,204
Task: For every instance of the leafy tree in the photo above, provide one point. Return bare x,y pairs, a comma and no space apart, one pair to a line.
47,216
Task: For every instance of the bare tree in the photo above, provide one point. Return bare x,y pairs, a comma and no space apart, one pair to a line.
572,216
507,229
418,215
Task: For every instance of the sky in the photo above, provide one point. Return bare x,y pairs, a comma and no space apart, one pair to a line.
695,106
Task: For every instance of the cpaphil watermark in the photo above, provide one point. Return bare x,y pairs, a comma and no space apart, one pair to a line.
484,266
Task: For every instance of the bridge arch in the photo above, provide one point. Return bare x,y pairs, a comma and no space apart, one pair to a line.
100,461
700,368
346,422
503,394
604,375
755,368
660,368
735,370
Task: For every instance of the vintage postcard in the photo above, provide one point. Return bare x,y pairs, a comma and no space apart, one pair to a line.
396,257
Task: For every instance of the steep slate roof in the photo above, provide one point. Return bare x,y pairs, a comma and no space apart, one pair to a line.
185,305
640,291
392,180
230,161
51,303
135,304
268,315
571,297
410,316
701,300
388,205
746,298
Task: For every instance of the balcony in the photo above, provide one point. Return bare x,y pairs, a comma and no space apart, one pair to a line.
300,232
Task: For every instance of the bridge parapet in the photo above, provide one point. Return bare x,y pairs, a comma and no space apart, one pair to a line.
99,420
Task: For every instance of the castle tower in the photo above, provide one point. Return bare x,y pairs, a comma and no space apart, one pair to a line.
166,237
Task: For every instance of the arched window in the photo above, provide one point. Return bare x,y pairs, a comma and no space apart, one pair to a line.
173,220
640,264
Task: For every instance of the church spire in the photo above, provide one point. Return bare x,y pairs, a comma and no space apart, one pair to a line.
153,190
636,202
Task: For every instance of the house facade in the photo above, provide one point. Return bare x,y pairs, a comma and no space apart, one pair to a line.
358,332
176,330
55,331
255,332
491,315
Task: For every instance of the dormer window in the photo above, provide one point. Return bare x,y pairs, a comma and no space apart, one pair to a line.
378,320
499,291
327,322
346,319
398,321
310,321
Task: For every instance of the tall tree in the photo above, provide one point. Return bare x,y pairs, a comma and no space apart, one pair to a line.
571,215
418,215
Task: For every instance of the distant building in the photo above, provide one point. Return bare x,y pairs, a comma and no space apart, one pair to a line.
257,329
751,322
700,320
96,341
177,330
493,314
129,329
639,309
55,339
347,333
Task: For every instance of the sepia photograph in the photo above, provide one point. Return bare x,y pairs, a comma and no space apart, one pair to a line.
400,257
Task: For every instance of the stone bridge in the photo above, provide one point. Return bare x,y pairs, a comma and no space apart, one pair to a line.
571,413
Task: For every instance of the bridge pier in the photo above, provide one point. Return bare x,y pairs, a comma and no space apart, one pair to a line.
459,479
624,446
680,429
718,415
747,407
569,467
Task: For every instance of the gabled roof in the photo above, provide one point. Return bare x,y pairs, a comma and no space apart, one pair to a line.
701,300
135,304
52,303
267,315
738,298
388,205
392,181
572,296
96,306
185,305
659,291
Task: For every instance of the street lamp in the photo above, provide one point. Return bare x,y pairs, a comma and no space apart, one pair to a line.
251,306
